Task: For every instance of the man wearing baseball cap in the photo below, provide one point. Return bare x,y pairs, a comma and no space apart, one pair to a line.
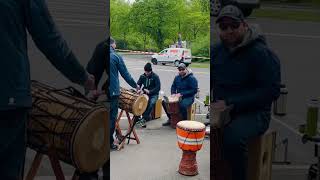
245,74
184,85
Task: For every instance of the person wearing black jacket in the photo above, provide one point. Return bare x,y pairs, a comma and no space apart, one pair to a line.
99,63
151,85
16,18
245,76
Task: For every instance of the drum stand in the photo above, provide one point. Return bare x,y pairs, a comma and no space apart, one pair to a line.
54,161
132,122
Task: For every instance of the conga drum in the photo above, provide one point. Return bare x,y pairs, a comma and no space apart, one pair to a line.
190,138
132,102
68,126
173,110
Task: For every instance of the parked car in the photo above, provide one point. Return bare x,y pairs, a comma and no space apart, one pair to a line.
246,6
172,56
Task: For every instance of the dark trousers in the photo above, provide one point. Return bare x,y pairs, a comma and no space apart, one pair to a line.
183,105
152,101
114,105
236,136
13,141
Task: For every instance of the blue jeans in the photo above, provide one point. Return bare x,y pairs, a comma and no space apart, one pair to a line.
13,140
236,136
184,104
152,101
114,105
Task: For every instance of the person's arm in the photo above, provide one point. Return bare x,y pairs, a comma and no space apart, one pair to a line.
125,73
174,86
139,82
267,83
157,88
51,43
96,65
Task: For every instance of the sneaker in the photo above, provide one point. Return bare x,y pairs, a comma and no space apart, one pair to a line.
142,123
113,147
166,123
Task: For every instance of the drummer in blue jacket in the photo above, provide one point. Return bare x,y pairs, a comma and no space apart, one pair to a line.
184,85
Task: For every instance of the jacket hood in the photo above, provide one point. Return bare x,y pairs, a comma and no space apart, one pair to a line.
254,34
189,72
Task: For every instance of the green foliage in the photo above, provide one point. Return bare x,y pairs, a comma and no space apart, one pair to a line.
153,25
201,47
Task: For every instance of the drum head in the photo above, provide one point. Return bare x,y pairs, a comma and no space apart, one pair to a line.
91,141
191,125
140,105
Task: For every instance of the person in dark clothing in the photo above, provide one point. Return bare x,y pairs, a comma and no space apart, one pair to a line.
99,63
16,18
245,75
184,85
151,86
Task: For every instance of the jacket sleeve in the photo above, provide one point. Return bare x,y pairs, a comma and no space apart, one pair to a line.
193,87
125,73
267,83
174,86
51,43
157,88
139,82
96,65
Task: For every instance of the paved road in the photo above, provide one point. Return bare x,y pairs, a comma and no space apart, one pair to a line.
296,44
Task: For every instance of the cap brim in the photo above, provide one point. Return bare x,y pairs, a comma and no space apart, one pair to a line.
229,16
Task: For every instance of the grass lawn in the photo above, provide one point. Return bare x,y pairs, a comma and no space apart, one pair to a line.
200,65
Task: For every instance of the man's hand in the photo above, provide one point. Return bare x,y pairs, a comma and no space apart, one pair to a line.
94,94
139,92
138,88
220,105
146,91
178,95
90,83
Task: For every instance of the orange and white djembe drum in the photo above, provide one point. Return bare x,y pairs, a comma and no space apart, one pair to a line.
190,138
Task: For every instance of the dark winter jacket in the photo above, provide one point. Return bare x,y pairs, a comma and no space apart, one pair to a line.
187,86
247,76
152,83
17,16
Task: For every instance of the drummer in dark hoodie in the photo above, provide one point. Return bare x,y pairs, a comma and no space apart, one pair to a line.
245,74
184,85
149,84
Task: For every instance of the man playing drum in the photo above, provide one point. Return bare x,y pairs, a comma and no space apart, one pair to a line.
185,86
16,17
116,65
150,83
246,76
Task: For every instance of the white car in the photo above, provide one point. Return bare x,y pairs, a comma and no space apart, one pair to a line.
172,56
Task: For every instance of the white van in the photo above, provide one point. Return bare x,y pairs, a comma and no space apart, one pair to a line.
172,56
